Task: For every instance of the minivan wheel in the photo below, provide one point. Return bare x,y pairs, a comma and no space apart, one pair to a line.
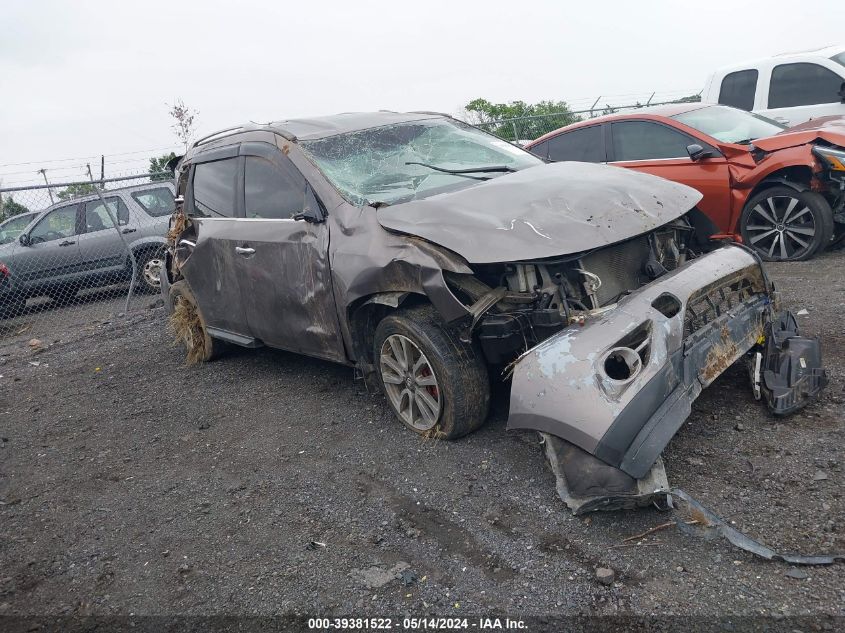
188,326
150,265
783,224
436,385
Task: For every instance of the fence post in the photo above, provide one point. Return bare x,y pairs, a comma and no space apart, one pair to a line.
43,172
120,235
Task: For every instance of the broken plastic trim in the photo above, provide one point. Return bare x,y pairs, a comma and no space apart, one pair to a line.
716,526
792,370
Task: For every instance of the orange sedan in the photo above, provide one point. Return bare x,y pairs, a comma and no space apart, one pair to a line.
780,191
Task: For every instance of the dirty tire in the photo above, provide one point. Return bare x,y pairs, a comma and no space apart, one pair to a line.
450,372
783,224
150,266
188,327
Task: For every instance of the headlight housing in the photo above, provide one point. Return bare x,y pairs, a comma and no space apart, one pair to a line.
833,159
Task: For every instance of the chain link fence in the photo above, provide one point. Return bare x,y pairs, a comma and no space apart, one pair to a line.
528,128
74,254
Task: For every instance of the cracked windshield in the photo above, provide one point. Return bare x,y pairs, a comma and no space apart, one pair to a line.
410,161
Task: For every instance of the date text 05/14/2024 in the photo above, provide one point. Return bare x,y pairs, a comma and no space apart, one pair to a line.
416,624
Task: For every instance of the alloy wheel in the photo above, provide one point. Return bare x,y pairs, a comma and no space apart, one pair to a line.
410,383
781,227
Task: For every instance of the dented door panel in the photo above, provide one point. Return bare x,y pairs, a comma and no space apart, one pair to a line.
215,271
287,289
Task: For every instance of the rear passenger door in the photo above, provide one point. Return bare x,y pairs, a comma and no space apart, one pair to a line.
287,286
803,91
213,268
100,245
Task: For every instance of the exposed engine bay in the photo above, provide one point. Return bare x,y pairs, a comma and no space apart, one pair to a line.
516,306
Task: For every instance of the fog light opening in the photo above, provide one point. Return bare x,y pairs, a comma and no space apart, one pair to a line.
622,364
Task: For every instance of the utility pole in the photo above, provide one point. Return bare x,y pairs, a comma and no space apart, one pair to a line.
102,171
43,172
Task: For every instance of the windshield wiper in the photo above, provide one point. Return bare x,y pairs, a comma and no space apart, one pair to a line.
462,172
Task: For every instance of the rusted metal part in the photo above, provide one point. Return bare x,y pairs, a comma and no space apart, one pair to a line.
562,386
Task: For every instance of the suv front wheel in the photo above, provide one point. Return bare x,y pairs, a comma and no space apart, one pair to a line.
437,385
783,224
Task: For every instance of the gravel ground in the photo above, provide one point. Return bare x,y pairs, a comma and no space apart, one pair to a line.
268,483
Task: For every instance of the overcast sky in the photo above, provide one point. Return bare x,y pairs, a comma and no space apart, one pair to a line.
86,78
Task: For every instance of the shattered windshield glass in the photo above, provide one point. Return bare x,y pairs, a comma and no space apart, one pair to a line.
397,163
729,125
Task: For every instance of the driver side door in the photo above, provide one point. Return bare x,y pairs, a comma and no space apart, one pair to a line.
52,255
661,150
285,279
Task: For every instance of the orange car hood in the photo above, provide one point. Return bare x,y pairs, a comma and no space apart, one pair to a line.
828,128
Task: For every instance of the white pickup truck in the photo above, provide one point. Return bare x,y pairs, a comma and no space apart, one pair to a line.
790,88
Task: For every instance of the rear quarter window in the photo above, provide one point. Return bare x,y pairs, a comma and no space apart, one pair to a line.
156,202
583,144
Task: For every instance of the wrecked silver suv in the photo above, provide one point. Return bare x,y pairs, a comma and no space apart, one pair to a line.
433,257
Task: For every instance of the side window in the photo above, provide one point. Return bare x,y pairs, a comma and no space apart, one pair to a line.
644,140
738,89
56,225
214,188
584,144
803,84
271,191
541,150
98,219
156,202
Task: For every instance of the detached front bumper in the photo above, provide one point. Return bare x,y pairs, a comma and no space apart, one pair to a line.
620,386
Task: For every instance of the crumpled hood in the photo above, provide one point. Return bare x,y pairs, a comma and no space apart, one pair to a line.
828,128
544,211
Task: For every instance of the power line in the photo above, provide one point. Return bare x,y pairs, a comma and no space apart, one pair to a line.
65,160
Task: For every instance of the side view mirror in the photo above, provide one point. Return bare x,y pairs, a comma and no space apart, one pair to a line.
697,152
311,210
842,92
23,238
310,215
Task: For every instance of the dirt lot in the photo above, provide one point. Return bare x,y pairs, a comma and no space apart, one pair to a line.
267,483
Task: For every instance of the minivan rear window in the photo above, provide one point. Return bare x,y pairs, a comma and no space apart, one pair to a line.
839,58
156,202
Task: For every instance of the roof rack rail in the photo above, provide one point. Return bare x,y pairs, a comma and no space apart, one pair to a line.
217,135
431,112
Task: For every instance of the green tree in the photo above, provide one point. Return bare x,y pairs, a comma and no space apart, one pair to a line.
10,208
159,165
76,190
532,119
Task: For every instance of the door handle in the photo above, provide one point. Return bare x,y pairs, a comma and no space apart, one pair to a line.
124,231
67,243
240,250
